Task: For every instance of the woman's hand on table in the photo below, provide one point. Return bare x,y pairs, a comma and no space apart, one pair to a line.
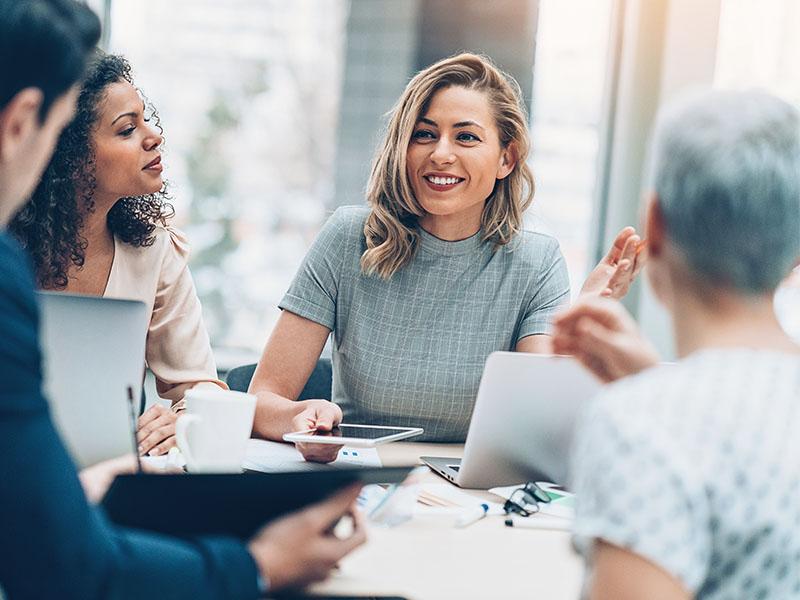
604,337
156,430
613,276
319,415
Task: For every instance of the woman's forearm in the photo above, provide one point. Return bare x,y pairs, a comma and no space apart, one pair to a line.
274,414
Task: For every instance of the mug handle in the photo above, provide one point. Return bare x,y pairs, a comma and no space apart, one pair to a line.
181,429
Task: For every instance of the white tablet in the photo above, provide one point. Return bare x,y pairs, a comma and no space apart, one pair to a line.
358,436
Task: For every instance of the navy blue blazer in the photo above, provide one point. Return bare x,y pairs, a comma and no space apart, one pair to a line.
53,543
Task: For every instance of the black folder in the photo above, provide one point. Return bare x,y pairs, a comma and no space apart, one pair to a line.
227,504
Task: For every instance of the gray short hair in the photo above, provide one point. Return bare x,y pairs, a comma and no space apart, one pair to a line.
726,170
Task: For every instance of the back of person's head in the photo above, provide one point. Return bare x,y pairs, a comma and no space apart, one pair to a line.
390,230
726,171
44,45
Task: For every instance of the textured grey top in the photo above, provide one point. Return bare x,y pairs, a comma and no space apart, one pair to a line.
410,351
696,467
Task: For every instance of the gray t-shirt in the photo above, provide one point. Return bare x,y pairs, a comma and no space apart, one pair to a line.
696,467
410,351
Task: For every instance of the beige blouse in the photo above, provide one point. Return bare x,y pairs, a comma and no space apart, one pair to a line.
178,350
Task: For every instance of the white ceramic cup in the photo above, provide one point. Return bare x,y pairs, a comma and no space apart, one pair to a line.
212,432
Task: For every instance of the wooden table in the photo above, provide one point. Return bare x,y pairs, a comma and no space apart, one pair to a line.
427,558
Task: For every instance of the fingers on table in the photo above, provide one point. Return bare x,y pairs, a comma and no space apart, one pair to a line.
156,431
151,414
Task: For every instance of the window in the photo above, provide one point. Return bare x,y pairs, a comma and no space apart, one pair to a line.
248,93
568,87
759,47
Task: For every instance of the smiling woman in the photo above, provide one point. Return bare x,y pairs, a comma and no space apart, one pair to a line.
436,273
97,225
453,166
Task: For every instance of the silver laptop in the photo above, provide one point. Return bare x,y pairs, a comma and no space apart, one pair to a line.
93,351
522,425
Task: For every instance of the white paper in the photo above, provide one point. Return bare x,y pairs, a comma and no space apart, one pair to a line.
275,457
362,457
450,494
173,461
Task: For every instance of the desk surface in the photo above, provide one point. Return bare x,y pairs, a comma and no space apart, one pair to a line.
427,558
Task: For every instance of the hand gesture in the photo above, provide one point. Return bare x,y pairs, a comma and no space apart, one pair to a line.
604,337
301,548
156,430
319,415
613,276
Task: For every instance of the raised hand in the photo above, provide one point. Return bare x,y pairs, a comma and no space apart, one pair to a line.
613,276
604,337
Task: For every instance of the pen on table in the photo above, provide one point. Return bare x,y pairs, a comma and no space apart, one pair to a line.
472,515
132,405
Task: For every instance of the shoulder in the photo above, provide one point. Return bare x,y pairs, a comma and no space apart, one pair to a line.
168,251
167,256
533,248
168,244
16,278
535,259
18,322
343,229
348,221
662,410
172,241
638,398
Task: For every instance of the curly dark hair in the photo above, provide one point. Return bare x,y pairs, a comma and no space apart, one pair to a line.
49,226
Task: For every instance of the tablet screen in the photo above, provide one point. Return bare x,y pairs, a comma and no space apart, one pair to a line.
361,433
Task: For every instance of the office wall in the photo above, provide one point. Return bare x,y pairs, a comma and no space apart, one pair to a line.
665,47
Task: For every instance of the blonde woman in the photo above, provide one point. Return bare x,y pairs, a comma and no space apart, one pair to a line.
421,285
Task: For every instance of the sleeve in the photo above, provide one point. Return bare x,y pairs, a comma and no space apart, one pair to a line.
54,544
633,490
314,290
178,348
549,293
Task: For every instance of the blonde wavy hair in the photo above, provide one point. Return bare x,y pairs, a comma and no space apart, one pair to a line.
392,227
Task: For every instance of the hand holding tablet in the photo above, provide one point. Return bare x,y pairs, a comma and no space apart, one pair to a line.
357,436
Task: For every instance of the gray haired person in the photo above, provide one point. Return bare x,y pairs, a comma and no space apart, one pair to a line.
688,475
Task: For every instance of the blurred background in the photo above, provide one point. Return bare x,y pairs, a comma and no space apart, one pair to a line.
272,109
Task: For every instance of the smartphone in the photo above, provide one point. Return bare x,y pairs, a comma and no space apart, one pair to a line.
358,436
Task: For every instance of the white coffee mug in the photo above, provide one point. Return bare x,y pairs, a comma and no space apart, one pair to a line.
212,432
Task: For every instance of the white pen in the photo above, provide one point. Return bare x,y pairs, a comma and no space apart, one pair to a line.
540,522
472,515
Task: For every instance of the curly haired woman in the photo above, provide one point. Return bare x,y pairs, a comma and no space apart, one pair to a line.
97,225
436,273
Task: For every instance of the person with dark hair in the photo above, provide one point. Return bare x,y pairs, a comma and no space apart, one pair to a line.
54,543
97,225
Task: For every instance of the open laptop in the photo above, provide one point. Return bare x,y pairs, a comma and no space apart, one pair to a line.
93,351
522,425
